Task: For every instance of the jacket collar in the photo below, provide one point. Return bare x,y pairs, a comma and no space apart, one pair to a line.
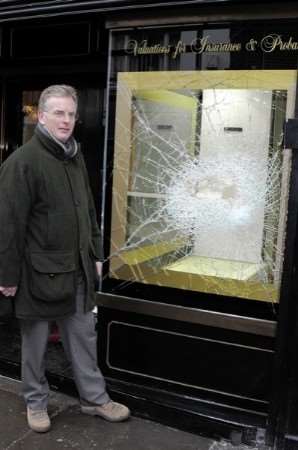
57,148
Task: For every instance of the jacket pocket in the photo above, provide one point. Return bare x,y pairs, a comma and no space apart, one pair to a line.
52,276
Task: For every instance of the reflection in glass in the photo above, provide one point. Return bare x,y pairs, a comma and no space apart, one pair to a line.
30,103
200,193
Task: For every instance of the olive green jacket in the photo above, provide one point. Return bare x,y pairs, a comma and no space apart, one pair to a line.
48,229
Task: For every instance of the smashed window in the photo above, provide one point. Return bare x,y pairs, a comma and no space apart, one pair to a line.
200,180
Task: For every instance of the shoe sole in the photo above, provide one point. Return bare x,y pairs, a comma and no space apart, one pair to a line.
39,430
93,412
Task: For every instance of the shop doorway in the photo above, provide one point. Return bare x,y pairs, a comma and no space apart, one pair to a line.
19,118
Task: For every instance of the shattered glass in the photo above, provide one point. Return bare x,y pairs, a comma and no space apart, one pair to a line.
201,182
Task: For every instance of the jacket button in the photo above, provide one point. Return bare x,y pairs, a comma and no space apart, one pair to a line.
77,203
51,275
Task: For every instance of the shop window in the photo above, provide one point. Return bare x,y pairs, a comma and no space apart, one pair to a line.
201,180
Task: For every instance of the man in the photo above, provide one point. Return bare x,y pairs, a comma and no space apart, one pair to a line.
50,257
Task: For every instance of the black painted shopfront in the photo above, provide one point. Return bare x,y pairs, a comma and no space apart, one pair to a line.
187,123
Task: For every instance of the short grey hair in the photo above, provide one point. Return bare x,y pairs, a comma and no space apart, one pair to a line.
56,90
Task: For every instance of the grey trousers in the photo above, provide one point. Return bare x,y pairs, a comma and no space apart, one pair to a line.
79,338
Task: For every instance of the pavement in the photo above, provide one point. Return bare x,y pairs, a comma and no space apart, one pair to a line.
73,430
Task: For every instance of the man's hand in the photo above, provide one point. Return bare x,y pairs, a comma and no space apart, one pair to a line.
99,268
8,291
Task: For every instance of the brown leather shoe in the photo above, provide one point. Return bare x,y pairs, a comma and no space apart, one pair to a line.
38,420
111,411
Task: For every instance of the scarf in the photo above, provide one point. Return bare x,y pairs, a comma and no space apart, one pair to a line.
70,147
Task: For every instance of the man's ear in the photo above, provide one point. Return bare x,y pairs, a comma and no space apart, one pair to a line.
40,115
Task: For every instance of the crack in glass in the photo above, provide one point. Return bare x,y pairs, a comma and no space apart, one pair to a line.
201,188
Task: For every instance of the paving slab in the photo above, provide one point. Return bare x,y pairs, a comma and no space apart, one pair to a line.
12,418
73,430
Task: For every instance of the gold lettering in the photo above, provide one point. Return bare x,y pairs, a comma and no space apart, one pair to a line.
251,45
180,48
203,45
144,49
198,45
274,42
268,44
132,47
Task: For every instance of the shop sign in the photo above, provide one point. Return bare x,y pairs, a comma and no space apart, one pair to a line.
268,44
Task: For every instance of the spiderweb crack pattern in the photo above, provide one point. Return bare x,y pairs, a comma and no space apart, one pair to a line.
176,194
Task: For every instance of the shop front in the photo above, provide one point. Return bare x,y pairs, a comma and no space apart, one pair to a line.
197,220
188,125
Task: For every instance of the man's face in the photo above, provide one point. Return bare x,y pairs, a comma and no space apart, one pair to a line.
59,117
